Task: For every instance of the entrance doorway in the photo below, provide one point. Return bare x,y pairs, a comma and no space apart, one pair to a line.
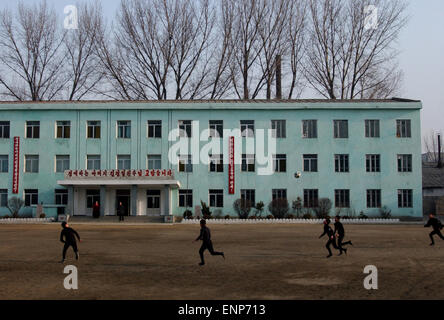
123,196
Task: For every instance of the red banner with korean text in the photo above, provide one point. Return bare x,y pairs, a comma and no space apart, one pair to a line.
16,166
231,166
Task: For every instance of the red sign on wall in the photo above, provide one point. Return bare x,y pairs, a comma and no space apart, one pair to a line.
16,166
231,166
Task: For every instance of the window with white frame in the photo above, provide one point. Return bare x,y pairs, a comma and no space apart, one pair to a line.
4,129
154,129
340,129
280,163
63,129
373,198
185,198
373,163
93,129
404,163
4,163
123,161
279,128
403,129
31,163
154,161
341,163
279,194
311,198
31,197
309,129
216,128
123,129
216,198
93,162
61,196
153,199
33,129
185,164
248,163
3,197
372,128
216,163
342,198
185,128
247,128
405,198
62,163
249,195
310,162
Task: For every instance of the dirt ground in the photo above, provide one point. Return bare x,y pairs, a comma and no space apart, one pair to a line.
262,262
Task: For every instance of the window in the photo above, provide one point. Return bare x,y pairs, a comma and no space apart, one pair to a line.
404,163
63,129
279,128
247,128
247,163
311,198
185,164
154,129
280,162
4,163
405,198
4,129
372,128
31,163
92,196
93,162
123,161
342,198
216,128
61,196
31,197
93,129
62,163
216,163
124,129
153,199
340,129
154,161
249,195
279,194
185,198
33,129
374,198
341,163
373,163
3,197
310,162
309,129
185,128
403,129
216,198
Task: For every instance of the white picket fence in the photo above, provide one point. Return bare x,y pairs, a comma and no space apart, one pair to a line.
291,221
26,220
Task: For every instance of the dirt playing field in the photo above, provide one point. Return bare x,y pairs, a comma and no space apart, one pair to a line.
262,262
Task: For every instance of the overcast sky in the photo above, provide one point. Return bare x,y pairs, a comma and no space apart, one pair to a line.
421,59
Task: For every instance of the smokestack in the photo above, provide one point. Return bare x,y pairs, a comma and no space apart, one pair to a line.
278,78
439,151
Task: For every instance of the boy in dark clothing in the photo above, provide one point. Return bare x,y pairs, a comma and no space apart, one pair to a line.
436,225
331,236
205,236
70,240
340,234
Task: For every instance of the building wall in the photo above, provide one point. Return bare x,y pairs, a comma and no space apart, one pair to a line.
389,180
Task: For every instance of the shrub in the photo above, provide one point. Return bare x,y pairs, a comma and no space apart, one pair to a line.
291,216
297,206
227,216
242,208
278,208
362,215
323,208
270,216
206,213
307,215
177,219
187,214
385,212
42,215
259,208
14,205
252,217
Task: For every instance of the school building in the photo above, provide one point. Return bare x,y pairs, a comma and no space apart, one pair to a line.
161,158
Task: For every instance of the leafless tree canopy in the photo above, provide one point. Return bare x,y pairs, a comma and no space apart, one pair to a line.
201,49
431,147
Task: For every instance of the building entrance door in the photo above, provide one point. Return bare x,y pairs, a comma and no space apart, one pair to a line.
153,202
123,196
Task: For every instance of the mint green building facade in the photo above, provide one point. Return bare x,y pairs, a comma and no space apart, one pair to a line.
362,155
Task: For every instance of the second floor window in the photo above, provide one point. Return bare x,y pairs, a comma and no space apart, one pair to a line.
403,129
311,198
93,129
374,198
341,163
93,162
404,163
123,161
373,163
154,161
216,198
33,129
124,129
216,163
4,129
31,197
247,128
279,194
185,198
3,197
63,130
249,195
310,162
154,129
4,163
216,128
342,198
247,163
61,196
31,163
280,162
279,128
185,128
62,163
340,129
309,129
372,128
405,198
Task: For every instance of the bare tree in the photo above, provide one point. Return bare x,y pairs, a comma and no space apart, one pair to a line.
348,59
31,55
431,147
80,44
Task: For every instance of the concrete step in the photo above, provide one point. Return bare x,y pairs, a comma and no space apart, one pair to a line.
115,219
